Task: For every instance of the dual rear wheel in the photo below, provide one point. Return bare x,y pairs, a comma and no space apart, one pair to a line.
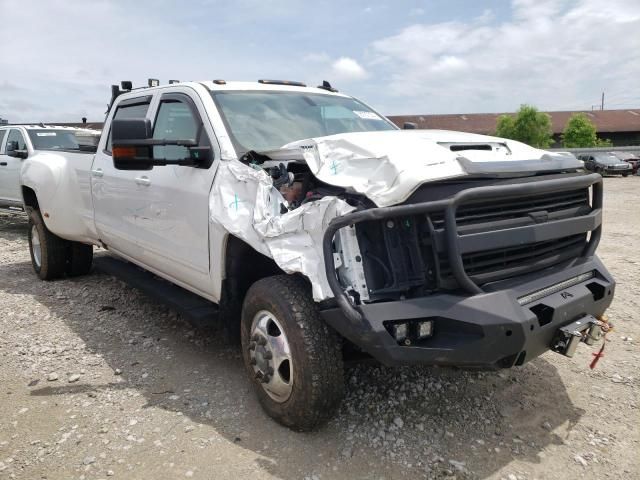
53,257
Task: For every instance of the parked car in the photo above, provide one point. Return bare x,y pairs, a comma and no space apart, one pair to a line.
314,223
630,158
47,143
605,164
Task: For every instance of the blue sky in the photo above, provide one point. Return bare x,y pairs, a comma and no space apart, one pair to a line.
402,57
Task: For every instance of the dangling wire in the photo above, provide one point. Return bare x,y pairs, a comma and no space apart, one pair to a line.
606,327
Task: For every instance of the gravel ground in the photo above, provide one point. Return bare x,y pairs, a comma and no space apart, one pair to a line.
97,381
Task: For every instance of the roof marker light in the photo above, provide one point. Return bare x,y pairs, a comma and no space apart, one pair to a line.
153,82
282,82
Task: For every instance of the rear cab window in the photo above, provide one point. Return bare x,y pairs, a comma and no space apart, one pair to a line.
2,135
130,108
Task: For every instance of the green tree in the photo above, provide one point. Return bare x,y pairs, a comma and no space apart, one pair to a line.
529,126
580,132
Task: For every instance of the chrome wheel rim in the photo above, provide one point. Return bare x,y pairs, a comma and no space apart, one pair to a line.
35,246
270,356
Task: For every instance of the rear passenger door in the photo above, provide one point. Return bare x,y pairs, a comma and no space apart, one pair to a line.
10,166
3,164
114,191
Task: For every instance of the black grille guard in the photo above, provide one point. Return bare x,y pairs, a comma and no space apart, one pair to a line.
458,245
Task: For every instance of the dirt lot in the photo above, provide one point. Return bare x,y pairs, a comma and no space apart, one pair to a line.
98,381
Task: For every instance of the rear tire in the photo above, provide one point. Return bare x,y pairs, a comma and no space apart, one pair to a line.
625,174
303,391
49,253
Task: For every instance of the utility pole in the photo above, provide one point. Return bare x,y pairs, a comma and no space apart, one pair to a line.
602,102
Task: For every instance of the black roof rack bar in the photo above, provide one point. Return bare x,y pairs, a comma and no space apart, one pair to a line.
282,82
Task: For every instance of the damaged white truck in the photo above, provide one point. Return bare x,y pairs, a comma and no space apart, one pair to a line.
319,227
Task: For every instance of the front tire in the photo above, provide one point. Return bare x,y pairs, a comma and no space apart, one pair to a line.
49,253
294,360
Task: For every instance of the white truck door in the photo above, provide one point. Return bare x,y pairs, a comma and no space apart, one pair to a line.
114,191
3,163
10,167
172,202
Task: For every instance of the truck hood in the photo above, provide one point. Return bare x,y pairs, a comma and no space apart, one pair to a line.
387,167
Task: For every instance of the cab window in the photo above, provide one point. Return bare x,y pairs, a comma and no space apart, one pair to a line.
2,134
134,110
15,140
175,121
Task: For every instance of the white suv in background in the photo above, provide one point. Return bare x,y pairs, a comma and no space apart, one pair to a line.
18,142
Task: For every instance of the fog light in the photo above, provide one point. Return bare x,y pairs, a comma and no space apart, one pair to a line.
399,332
425,329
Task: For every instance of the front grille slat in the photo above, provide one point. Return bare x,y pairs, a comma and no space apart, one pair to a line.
497,264
504,257
515,208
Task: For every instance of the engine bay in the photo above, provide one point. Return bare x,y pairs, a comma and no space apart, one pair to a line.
297,185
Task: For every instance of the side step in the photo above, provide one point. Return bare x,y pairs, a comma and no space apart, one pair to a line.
10,209
197,310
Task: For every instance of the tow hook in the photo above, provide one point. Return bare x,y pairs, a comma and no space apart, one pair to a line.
587,329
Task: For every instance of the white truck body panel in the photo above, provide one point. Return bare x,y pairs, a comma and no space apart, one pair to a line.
175,220
62,185
397,162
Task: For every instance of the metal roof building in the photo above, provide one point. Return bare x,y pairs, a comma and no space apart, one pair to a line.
622,127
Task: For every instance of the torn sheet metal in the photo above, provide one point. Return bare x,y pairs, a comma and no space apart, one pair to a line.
388,166
248,206
384,166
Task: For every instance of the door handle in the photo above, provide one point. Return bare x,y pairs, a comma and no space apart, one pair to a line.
144,181
3,164
97,172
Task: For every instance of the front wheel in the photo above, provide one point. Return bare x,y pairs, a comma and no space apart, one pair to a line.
625,174
293,359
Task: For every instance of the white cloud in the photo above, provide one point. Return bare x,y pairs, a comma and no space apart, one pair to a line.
448,63
348,69
555,54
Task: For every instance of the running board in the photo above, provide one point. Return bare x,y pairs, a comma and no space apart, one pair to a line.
12,209
199,311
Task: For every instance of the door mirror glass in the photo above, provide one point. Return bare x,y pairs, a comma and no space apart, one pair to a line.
130,144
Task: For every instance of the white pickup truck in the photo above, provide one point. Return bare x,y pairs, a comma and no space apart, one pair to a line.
319,227
47,142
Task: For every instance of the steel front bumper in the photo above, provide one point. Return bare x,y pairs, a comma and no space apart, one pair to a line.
487,330
500,325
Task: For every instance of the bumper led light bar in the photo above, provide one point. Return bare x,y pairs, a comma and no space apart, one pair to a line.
545,292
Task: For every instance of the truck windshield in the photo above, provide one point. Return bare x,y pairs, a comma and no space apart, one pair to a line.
50,139
269,120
